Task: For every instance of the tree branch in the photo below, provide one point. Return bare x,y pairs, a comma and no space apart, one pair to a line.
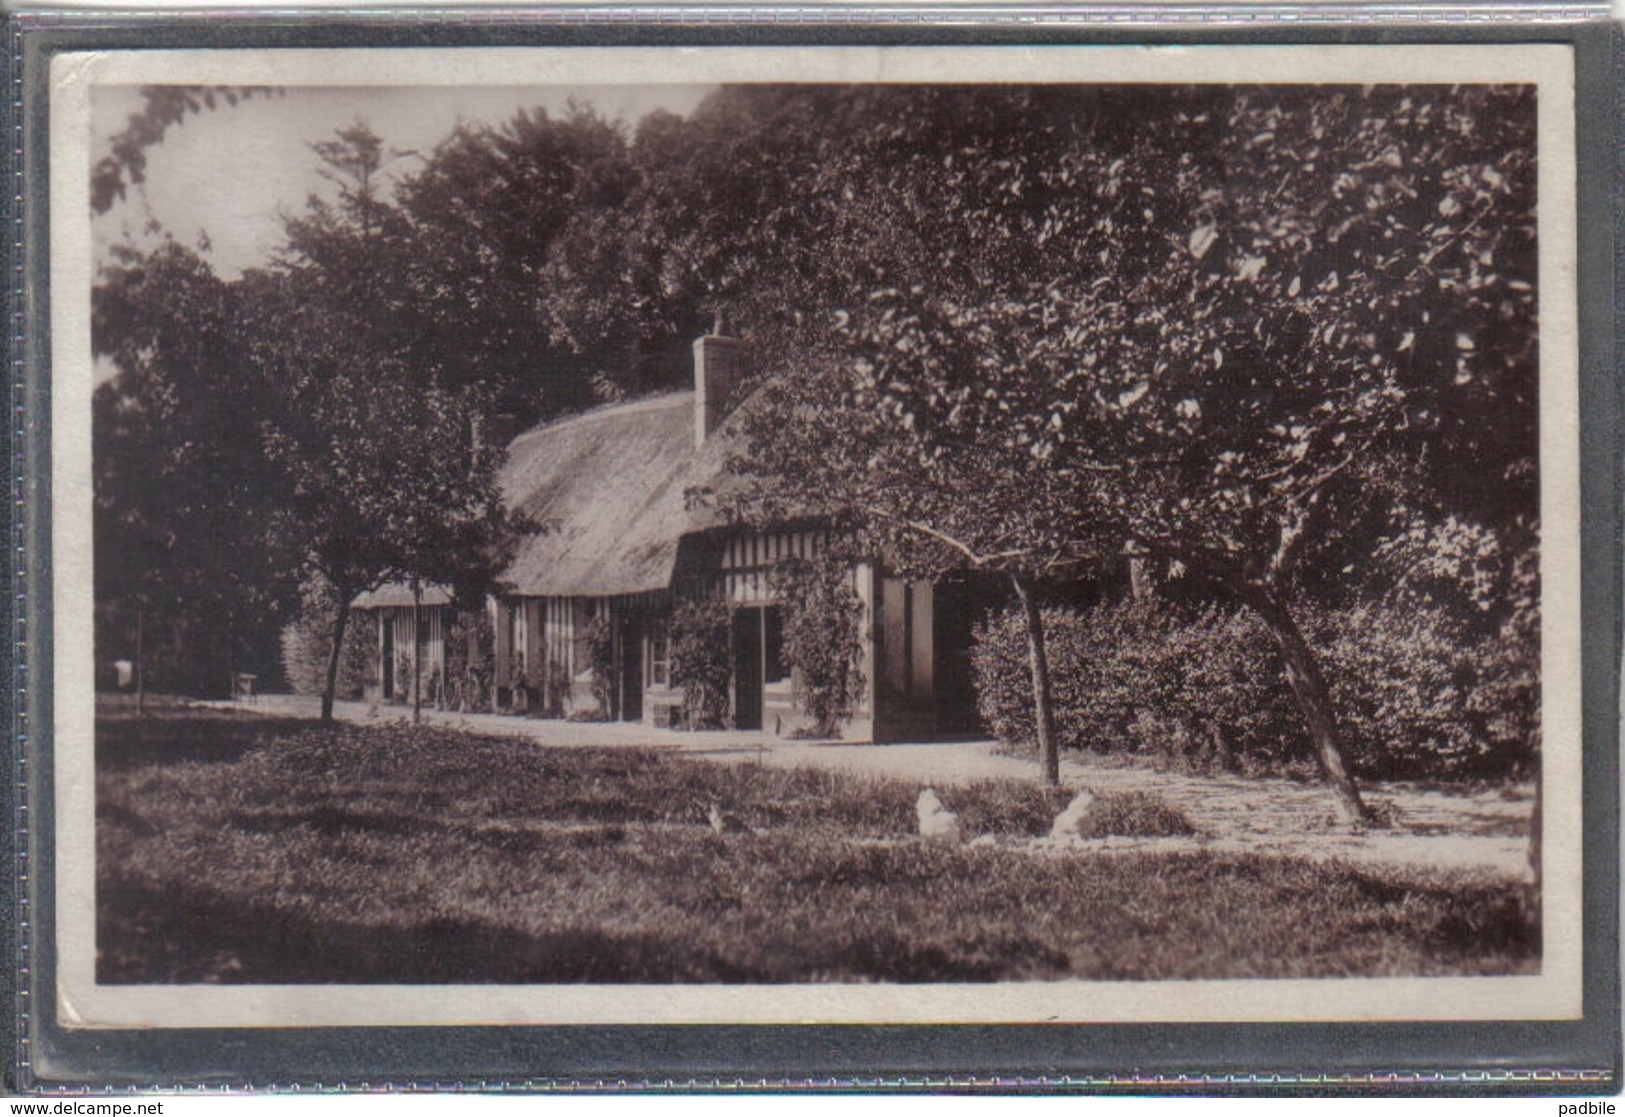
1293,533
977,560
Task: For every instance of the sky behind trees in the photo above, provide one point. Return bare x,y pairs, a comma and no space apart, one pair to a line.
227,174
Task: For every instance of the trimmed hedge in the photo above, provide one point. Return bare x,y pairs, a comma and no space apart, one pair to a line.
1203,689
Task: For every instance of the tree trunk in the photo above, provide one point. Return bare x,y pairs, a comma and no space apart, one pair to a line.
1314,699
1139,577
417,652
334,656
1536,874
467,701
140,662
1049,755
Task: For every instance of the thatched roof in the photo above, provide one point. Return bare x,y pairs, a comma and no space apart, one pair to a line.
398,595
607,488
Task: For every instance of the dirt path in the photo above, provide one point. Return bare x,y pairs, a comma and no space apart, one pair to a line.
1485,832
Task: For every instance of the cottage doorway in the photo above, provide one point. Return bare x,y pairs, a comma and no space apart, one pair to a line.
747,641
958,604
386,621
631,672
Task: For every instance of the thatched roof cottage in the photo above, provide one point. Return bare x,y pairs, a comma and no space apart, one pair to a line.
620,542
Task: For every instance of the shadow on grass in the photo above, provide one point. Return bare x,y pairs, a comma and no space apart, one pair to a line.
326,819
189,937
192,936
1502,925
170,738
1112,921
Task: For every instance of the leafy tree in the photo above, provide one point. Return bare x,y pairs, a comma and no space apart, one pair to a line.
515,273
1244,331
1257,312
275,425
601,662
351,251
184,497
389,477
305,646
821,441
835,430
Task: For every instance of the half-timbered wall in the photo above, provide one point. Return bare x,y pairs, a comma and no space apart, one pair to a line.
402,644
502,641
905,701
533,643
547,638
748,561
558,634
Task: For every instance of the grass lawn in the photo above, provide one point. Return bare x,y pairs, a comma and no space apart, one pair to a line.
237,848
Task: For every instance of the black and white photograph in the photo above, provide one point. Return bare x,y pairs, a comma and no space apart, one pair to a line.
829,534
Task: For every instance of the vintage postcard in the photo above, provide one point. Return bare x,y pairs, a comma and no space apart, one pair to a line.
815,534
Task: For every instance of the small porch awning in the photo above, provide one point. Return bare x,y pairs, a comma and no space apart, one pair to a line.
398,595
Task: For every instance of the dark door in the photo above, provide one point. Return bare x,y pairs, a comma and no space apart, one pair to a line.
956,606
389,654
747,668
631,669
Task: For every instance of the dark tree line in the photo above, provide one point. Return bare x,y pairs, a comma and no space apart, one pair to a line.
271,430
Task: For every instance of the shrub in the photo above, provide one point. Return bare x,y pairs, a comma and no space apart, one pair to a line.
1508,699
1401,681
1133,814
1006,807
1140,677
1417,692
601,662
307,641
822,637
701,659
555,690
470,660
1488,581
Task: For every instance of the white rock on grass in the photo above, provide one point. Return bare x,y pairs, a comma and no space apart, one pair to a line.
936,821
1066,823
724,823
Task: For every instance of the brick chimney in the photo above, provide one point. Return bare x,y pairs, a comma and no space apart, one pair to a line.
720,365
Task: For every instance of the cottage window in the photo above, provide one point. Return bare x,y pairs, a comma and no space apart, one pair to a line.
774,668
908,638
659,654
